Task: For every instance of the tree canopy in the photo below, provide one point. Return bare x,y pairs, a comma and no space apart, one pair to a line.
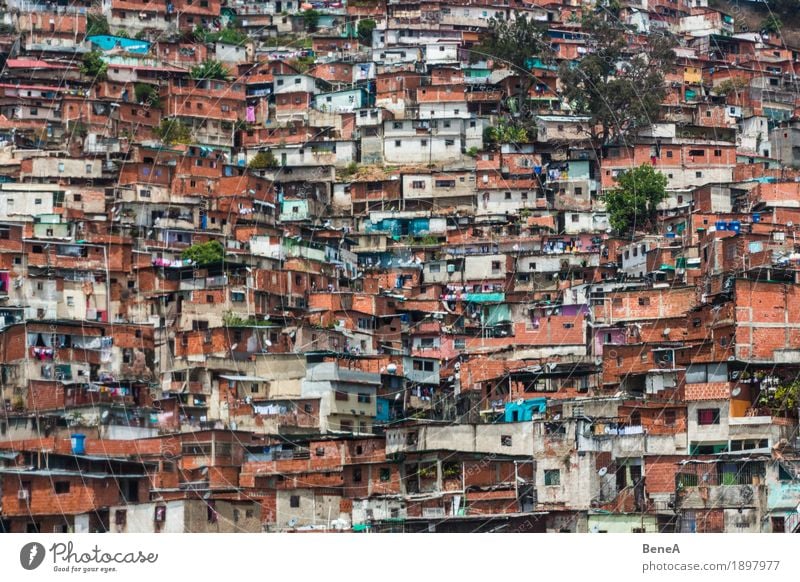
633,204
620,88
365,28
311,19
96,24
514,44
209,70
94,66
172,131
263,160
207,253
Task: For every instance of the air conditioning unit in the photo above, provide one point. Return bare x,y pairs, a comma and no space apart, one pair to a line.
22,494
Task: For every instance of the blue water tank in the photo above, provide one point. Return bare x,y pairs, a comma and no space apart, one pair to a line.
735,226
721,225
756,217
78,446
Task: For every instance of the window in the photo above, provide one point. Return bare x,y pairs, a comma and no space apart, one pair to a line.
427,366
708,416
698,174
61,487
575,218
460,344
346,425
342,396
717,153
364,398
644,301
449,142
552,477
669,417
505,440
386,474
495,265
294,501
398,143
357,474
669,154
418,185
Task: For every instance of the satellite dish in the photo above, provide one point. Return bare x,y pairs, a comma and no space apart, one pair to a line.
790,224
736,391
669,228
603,471
292,522
667,330
269,343
105,416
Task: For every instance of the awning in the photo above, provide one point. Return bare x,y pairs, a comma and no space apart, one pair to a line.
484,297
243,378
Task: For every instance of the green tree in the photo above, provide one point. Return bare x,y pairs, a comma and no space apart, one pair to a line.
514,44
633,204
209,69
505,132
619,86
94,66
772,24
311,19
263,160
146,94
732,85
365,28
96,24
172,131
207,253
229,35
783,400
